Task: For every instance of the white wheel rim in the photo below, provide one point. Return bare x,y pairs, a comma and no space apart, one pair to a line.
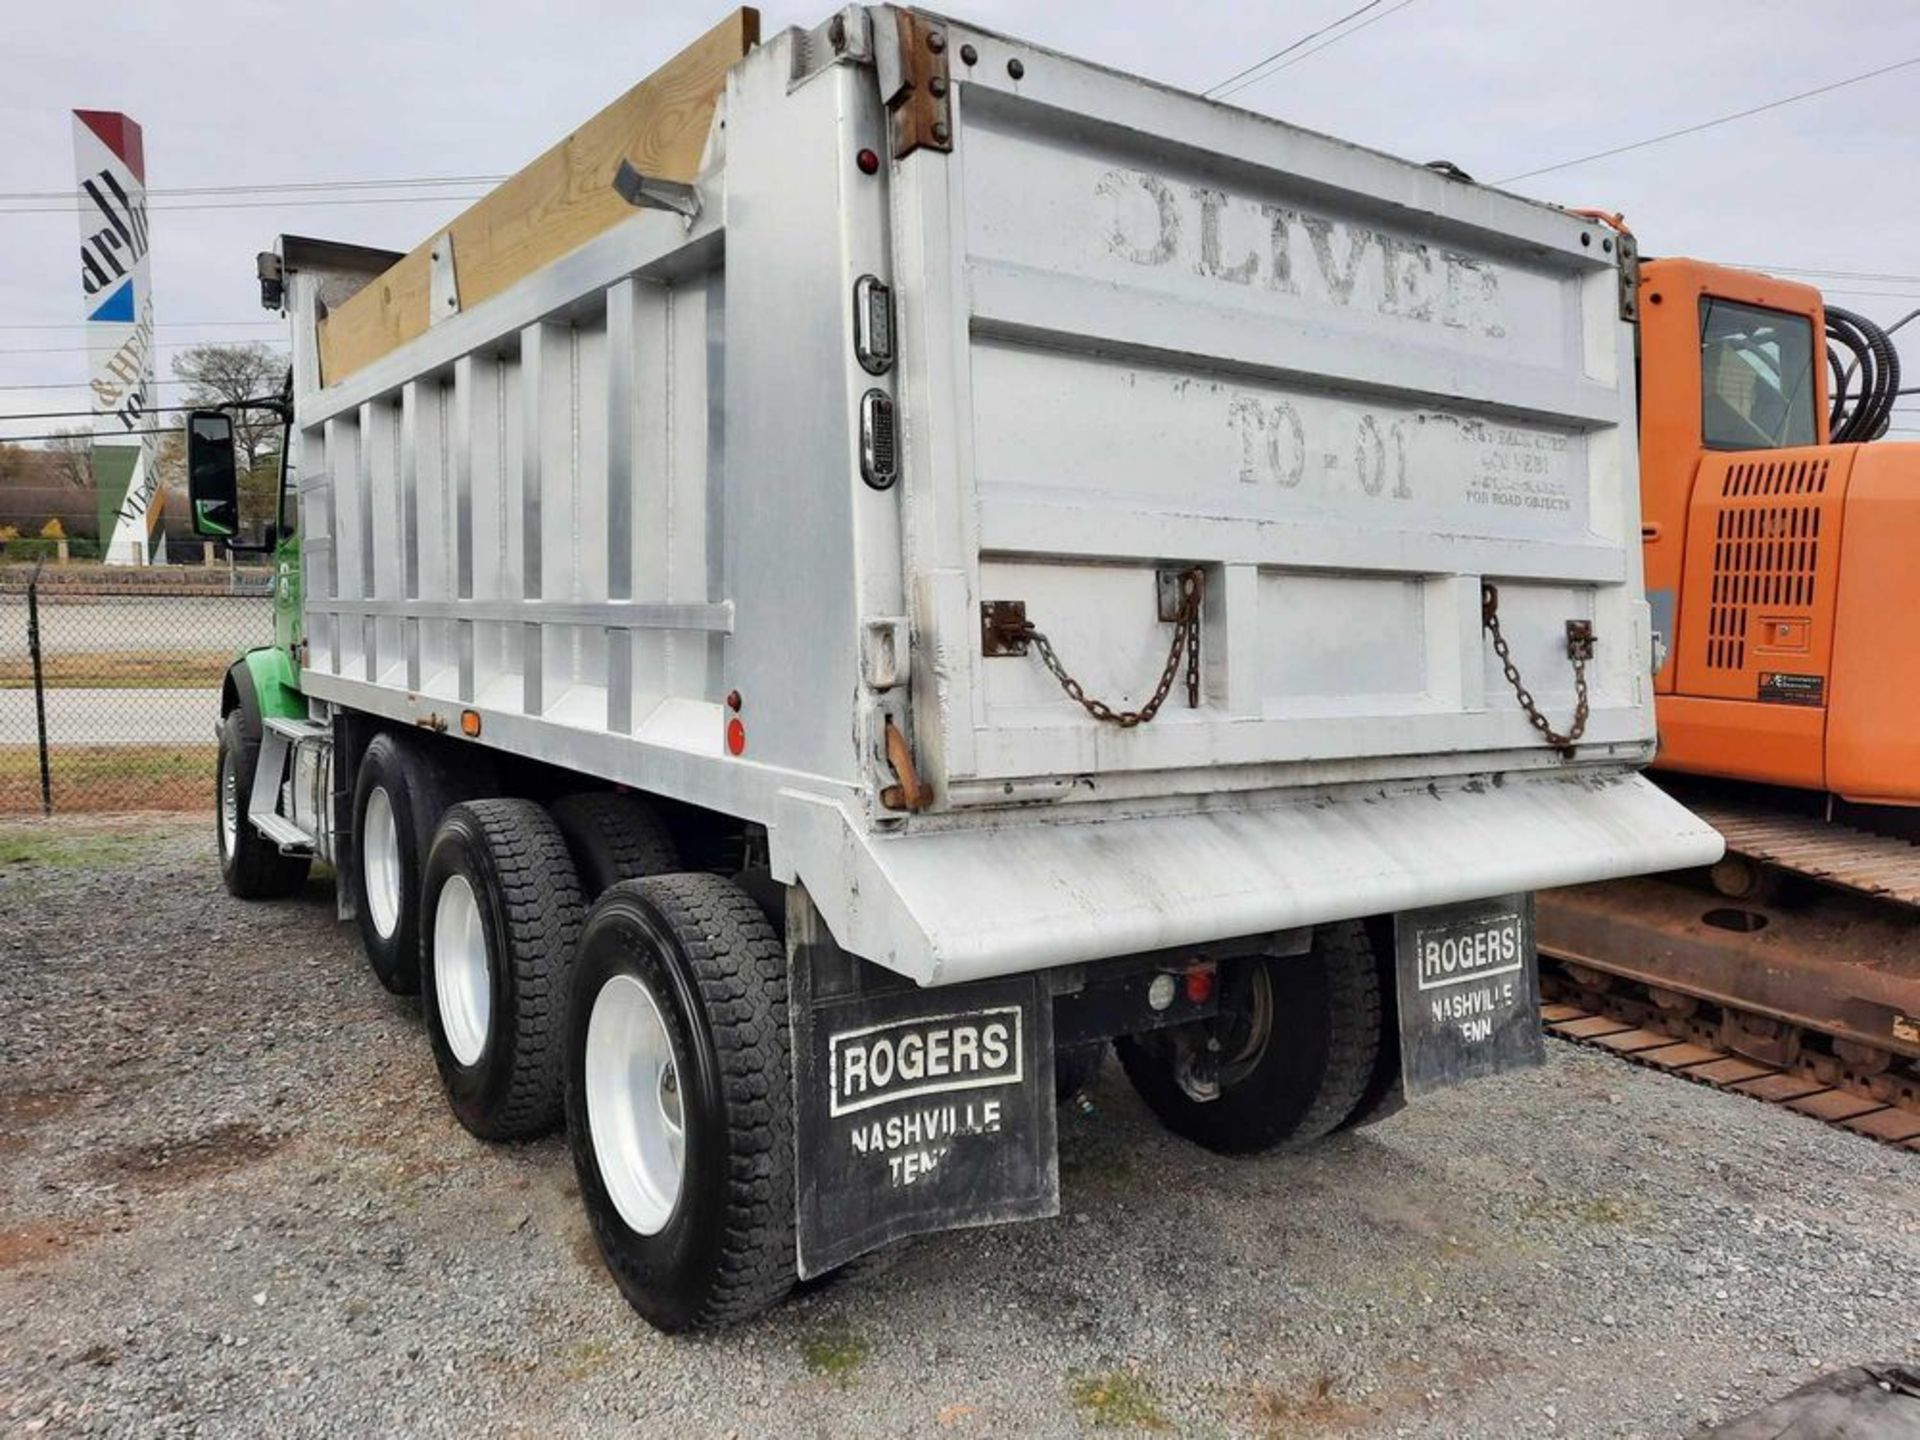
635,1114
380,862
229,805
461,987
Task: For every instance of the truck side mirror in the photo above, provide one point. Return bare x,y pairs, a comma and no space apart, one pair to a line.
213,488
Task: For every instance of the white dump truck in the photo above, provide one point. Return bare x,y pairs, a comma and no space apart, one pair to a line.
893,559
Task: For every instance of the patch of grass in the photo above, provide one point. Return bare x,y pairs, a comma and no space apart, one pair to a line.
1585,1209
834,1354
584,1357
1117,1400
100,778
122,670
66,852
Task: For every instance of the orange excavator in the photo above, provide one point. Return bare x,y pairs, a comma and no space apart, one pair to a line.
1782,550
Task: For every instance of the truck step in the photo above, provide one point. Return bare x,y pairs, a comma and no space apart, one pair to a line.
298,729
291,839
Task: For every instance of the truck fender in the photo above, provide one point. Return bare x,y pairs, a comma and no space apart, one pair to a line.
261,683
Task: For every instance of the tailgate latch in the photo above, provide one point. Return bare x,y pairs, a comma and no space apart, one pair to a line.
1005,630
1580,643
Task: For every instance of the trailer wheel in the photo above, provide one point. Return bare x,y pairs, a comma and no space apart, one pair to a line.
679,1099
614,836
251,865
1295,1062
399,795
500,916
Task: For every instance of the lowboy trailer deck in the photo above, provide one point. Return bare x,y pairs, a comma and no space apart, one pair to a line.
894,558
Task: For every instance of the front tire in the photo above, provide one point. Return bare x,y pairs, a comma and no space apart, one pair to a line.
679,1099
251,865
500,916
1296,1063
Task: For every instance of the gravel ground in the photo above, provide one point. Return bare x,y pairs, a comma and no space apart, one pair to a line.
233,1203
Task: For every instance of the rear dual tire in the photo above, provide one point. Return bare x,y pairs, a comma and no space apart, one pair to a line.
679,1099
1303,1061
400,792
500,918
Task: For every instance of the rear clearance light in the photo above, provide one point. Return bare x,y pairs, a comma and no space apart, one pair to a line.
873,325
879,456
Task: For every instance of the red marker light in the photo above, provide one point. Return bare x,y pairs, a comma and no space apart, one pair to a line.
736,737
868,162
1200,985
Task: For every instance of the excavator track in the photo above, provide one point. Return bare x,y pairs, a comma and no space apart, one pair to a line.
1845,1104
1789,973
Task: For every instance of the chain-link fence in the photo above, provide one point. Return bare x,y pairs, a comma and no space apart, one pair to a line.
110,682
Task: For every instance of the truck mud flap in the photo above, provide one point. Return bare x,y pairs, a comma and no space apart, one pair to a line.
1469,992
917,1109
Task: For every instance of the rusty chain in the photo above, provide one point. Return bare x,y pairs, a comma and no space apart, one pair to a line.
1579,650
1186,642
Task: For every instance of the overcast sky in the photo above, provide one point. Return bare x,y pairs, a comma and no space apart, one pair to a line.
244,91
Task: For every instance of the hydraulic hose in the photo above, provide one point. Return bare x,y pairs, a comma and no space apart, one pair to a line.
1865,370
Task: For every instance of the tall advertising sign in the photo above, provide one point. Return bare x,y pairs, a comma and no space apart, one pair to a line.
112,170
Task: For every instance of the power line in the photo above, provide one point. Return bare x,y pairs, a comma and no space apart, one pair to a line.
159,325
1323,45
1289,49
1709,124
247,204
144,410
405,182
1837,274
81,385
86,349
69,434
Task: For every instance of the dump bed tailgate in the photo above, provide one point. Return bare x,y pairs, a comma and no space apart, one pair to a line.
1145,333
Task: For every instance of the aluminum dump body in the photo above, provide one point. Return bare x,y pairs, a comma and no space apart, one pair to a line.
631,512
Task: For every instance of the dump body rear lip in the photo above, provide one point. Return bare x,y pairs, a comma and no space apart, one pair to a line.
1029,891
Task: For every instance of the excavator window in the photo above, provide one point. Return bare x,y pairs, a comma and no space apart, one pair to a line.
1756,377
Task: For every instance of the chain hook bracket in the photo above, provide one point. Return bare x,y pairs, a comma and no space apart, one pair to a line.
1006,630
1580,643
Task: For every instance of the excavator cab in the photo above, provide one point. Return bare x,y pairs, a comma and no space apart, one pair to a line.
1781,566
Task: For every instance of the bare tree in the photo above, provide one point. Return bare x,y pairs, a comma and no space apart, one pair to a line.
71,462
227,374
224,375
16,461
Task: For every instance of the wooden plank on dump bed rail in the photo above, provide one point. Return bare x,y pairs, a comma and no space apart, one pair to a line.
554,205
